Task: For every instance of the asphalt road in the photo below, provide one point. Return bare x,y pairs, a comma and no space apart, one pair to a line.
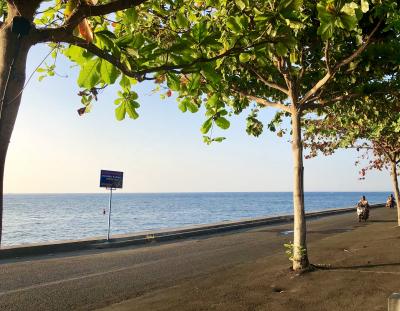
93,279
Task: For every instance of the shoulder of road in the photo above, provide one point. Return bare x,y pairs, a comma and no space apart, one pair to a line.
145,237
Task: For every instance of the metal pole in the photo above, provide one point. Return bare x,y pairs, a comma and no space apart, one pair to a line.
109,216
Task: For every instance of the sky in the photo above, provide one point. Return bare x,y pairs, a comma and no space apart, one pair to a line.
54,150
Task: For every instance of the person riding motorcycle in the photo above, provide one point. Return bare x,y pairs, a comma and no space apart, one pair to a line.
390,202
363,209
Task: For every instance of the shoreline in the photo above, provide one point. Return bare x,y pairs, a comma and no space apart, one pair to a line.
150,236
37,219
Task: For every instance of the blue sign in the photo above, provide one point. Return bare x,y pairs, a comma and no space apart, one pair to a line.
111,179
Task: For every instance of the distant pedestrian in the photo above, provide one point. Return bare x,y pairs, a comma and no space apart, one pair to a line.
104,211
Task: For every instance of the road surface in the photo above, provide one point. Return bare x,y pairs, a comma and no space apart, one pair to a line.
89,280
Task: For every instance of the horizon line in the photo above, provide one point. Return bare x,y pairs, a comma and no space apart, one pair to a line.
188,192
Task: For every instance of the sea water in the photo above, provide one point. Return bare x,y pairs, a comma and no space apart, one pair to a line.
36,218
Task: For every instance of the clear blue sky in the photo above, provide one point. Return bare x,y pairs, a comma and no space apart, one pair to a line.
55,150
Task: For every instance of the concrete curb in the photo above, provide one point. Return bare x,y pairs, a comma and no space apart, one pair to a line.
159,236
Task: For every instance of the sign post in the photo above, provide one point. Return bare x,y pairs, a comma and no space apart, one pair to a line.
109,215
110,180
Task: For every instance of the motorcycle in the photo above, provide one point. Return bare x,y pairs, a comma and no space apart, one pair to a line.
362,213
390,203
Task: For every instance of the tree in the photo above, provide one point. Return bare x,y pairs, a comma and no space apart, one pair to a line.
320,53
113,41
372,127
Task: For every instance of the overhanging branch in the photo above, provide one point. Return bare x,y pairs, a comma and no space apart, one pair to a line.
140,73
317,102
320,103
87,10
330,74
263,101
82,11
266,82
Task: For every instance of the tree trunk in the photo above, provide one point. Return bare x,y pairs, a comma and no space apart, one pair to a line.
300,258
13,55
396,189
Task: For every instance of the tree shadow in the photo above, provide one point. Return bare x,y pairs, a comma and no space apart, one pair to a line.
278,231
288,231
328,267
330,231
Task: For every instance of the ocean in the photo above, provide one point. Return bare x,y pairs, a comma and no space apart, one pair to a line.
36,218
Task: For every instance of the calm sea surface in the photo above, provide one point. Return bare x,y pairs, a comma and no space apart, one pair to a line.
33,218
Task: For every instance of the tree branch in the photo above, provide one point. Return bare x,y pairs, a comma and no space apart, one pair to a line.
264,102
316,102
326,102
82,11
266,82
87,10
301,60
329,75
24,8
140,73
327,57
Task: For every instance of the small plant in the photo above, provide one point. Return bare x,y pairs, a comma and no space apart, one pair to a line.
290,250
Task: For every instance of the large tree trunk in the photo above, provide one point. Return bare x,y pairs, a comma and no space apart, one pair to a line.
396,191
13,55
300,258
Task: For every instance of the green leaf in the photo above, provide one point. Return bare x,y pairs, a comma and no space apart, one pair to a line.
207,139
130,109
77,54
125,83
211,74
194,82
219,139
191,106
325,30
133,95
109,72
348,22
124,40
293,57
182,105
212,101
199,31
89,75
222,123
206,126
241,4
120,112
290,5
137,41
173,82
104,41
131,16
281,49
233,25
244,57
181,20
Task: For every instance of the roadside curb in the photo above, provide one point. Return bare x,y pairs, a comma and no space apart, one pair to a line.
159,235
